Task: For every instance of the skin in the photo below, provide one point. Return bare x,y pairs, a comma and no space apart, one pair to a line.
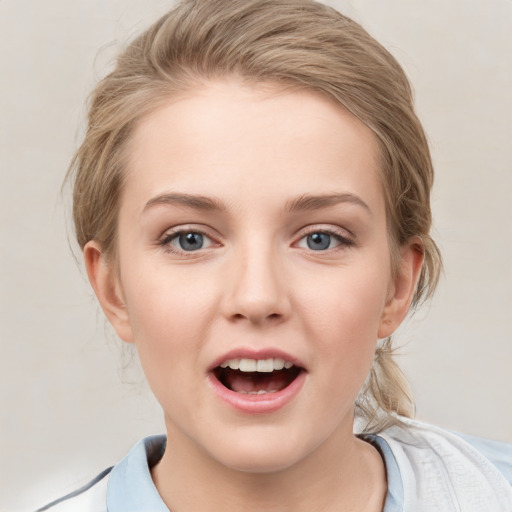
256,284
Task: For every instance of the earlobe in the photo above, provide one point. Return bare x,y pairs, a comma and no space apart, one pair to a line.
107,288
403,289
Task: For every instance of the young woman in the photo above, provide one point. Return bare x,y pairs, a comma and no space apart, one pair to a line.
252,201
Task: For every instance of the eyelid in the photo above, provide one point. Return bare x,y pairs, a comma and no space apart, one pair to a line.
344,236
171,234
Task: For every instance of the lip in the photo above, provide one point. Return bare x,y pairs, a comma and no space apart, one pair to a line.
248,353
257,404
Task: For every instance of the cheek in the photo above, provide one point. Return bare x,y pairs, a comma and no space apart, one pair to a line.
170,322
350,300
342,312
172,311
167,306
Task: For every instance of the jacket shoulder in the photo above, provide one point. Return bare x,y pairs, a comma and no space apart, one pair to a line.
497,452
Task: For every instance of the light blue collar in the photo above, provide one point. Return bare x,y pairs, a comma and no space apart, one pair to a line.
395,494
131,488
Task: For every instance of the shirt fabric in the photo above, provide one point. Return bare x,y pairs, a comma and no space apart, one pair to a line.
428,469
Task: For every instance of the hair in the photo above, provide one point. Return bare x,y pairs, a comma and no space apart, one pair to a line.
291,44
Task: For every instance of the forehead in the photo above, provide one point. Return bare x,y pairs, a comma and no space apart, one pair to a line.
239,141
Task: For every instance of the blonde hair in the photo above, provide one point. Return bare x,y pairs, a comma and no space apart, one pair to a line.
293,44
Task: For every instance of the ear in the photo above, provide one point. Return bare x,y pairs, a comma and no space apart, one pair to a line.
106,285
403,287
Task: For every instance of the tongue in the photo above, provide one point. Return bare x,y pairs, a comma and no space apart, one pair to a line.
250,382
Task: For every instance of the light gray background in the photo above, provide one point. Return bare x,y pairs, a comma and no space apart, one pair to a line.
67,407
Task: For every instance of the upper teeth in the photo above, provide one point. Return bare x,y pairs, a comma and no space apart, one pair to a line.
256,365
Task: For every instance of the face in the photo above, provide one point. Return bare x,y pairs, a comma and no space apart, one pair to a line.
253,271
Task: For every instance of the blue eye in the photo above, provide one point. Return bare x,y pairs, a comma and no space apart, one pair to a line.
319,241
325,240
190,241
183,241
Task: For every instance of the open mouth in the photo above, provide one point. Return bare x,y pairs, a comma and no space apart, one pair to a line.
256,376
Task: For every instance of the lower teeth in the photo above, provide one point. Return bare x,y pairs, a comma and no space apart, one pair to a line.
260,392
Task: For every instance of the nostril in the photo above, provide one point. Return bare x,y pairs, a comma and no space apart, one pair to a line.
273,317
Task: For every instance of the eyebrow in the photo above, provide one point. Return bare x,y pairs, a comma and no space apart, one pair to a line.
301,203
317,202
197,202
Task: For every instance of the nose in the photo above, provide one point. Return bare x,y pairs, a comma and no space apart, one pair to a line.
257,292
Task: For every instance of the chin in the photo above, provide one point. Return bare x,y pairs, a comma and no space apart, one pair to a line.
261,463
261,454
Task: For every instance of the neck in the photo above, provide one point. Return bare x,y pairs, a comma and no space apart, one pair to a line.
344,474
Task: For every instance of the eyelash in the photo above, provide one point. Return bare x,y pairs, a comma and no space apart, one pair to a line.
166,242
344,240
